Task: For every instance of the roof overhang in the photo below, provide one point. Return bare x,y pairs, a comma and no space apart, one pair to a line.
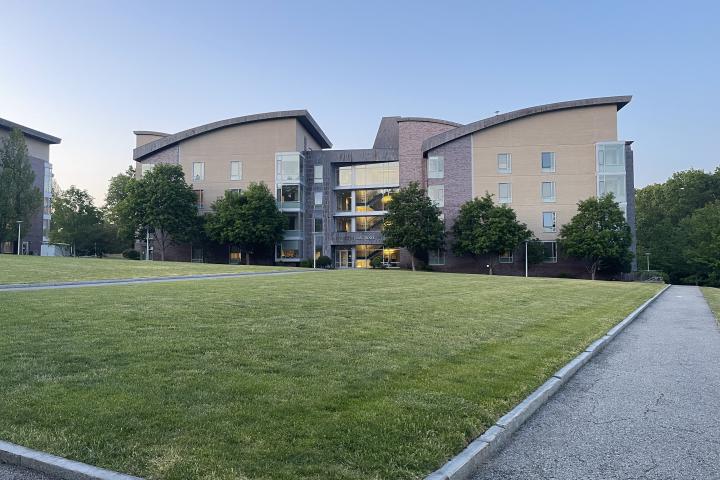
454,134
303,116
43,137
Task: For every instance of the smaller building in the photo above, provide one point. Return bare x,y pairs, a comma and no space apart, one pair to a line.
35,239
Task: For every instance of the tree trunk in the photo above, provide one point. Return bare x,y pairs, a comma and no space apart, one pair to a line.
412,261
593,269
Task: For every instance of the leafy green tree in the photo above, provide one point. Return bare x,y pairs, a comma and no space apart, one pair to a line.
249,219
118,190
535,251
483,228
76,221
164,203
413,222
702,249
19,198
598,234
661,208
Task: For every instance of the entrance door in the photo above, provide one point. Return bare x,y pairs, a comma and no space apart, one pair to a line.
344,259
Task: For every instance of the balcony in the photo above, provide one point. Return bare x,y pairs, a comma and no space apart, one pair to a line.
357,238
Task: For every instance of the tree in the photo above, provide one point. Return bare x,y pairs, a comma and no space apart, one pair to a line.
249,219
413,222
118,190
76,221
598,234
485,228
162,202
702,249
19,198
535,251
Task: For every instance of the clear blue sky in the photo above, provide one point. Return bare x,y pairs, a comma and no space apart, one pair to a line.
91,72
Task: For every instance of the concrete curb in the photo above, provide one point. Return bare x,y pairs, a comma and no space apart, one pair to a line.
463,465
129,281
59,467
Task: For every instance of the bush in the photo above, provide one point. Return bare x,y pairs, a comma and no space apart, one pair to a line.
131,254
305,264
377,262
323,262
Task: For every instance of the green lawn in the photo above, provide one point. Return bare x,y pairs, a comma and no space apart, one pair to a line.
335,375
712,295
32,269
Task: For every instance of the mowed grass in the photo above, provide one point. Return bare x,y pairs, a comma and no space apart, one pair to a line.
33,269
334,375
712,295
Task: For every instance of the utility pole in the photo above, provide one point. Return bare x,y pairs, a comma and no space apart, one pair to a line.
19,222
314,253
147,243
526,260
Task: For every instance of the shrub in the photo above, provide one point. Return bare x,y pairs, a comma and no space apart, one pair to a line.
323,261
131,254
377,262
305,264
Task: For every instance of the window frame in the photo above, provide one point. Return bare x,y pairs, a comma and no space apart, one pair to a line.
547,229
554,249
551,168
508,168
438,162
201,177
318,178
509,198
239,175
542,192
439,257
318,194
436,188
507,257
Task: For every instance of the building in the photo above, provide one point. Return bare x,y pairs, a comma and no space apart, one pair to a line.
35,238
540,161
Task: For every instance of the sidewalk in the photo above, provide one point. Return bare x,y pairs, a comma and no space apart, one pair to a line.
647,407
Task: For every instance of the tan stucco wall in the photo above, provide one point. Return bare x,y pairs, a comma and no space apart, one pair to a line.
571,134
143,139
254,144
35,148
302,134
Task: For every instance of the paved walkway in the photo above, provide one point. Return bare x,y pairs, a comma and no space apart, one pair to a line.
10,472
128,281
647,407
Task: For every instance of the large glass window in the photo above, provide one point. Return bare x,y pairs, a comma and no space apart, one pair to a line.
436,167
288,167
344,177
548,221
344,201
369,224
504,163
436,257
198,171
343,224
289,196
550,252
437,195
547,162
386,173
614,184
146,168
235,170
293,222
548,191
504,193
288,249
611,157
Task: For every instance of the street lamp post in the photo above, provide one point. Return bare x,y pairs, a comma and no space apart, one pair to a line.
19,222
526,260
647,257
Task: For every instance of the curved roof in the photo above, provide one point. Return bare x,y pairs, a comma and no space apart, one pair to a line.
454,134
429,120
150,132
43,137
303,117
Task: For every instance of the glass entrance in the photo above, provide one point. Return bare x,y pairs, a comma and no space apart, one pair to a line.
343,258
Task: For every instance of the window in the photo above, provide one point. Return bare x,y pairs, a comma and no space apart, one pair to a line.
436,167
504,161
289,196
344,201
504,193
318,173
547,162
436,257
506,257
199,196
550,252
47,205
548,191
146,168
386,173
235,170
318,198
369,224
292,221
549,221
343,224
318,225
437,195
198,171
287,167
289,249
234,190
344,176
614,184
196,254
